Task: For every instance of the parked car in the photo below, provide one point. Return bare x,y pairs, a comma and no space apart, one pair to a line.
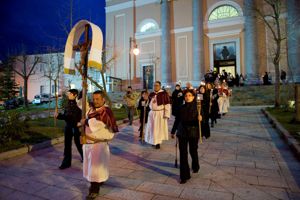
45,98
42,98
13,103
36,100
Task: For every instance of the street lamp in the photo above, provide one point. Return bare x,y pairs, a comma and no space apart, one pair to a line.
134,49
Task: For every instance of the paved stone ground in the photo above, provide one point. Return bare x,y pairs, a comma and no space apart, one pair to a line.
243,159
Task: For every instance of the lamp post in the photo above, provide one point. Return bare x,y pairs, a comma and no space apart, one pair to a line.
132,48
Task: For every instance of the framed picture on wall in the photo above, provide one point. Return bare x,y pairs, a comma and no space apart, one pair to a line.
225,51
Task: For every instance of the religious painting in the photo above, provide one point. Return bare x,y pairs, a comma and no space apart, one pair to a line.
225,51
148,77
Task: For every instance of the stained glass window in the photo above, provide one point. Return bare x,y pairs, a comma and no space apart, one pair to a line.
224,11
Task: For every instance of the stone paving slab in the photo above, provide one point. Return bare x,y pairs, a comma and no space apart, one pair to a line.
243,159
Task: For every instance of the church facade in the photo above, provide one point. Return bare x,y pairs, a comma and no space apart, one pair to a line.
180,40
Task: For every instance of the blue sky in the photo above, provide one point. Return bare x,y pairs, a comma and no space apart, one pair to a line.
35,25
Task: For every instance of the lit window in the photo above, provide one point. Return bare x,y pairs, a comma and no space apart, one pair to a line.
224,11
148,27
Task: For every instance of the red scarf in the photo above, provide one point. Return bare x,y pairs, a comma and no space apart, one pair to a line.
105,115
161,97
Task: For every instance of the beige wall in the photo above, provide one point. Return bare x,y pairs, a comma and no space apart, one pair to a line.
181,38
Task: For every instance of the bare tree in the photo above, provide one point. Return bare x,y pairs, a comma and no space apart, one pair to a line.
270,14
24,66
53,71
105,65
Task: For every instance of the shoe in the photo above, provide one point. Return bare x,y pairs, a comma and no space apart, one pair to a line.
92,196
64,166
183,181
157,146
212,125
195,171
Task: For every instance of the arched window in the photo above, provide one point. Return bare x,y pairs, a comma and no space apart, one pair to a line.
224,11
148,25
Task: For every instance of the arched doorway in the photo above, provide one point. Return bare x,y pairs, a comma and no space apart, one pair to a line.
224,26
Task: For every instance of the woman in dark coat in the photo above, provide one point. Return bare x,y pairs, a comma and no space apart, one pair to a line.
188,135
205,103
177,101
143,106
214,109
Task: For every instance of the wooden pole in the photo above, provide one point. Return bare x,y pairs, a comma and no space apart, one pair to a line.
199,98
84,82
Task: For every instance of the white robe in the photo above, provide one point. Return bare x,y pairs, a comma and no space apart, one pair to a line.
157,126
96,156
223,102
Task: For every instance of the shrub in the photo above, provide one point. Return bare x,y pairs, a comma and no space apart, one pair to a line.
12,126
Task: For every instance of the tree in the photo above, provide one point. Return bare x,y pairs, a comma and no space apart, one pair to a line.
52,72
271,18
8,87
105,64
24,66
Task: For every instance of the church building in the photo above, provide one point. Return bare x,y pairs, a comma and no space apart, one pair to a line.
181,40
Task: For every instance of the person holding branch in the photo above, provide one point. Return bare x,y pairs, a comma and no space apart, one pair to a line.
188,135
72,115
144,111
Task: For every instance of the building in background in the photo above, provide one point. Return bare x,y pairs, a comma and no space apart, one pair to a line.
180,40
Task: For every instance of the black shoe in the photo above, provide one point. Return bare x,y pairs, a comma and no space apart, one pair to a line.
212,125
183,181
195,171
157,146
92,196
64,166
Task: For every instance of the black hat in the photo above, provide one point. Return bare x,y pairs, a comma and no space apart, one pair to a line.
74,92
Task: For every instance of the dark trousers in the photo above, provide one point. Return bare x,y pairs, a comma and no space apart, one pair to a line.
130,113
71,131
184,142
175,125
142,128
95,187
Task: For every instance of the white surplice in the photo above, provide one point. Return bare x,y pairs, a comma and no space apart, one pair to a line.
157,126
96,155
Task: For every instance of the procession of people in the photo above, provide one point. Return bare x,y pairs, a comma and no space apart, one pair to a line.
195,110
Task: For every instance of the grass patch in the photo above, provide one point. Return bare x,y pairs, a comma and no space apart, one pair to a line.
39,130
259,95
285,118
43,129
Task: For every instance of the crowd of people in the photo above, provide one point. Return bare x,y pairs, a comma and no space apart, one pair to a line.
195,110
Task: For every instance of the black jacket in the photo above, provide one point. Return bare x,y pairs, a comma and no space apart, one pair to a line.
177,101
71,114
188,121
141,108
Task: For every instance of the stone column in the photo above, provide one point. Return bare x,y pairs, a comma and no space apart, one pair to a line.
293,39
165,43
250,43
198,62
